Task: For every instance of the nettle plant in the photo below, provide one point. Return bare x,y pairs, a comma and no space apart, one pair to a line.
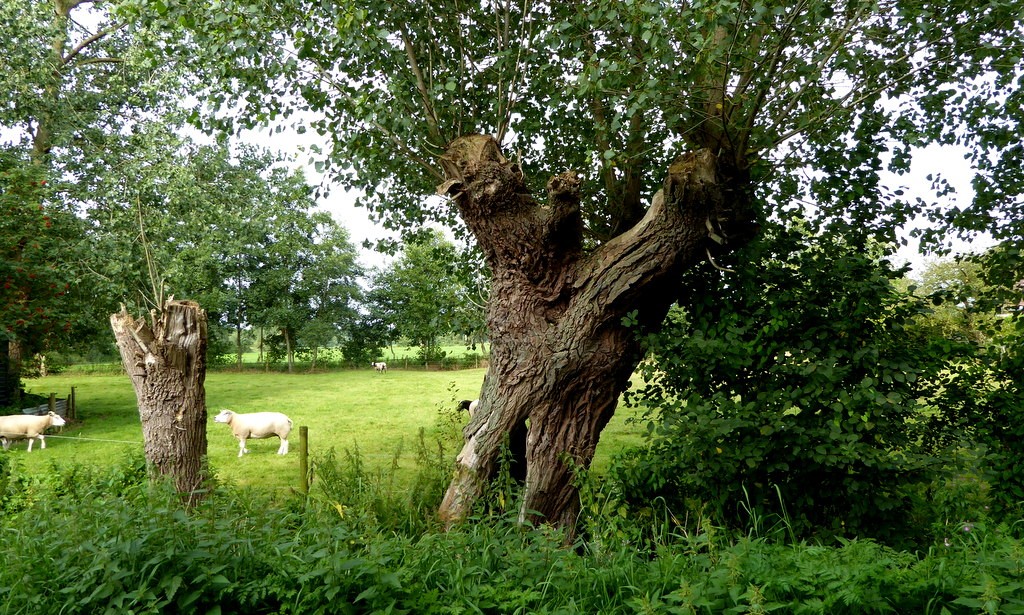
791,387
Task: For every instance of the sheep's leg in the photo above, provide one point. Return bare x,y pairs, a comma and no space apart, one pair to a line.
241,447
283,449
42,441
30,440
6,443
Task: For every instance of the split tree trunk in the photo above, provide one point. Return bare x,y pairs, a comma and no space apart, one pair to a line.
166,361
562,351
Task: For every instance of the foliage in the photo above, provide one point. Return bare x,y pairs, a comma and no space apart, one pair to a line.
422,295
73,84
365,338
35,305
790,388
977,407
957,291
113,543
252,251
346,483
113,206
633,85
304,278
980,406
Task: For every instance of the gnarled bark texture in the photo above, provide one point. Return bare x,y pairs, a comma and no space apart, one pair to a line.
166,361
561,354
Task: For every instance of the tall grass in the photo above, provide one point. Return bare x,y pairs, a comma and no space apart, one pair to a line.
82,530
116,544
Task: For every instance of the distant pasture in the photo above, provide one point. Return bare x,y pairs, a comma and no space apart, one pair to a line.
380,415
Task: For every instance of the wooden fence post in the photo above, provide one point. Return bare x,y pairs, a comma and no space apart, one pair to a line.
53,402
72,408
304,458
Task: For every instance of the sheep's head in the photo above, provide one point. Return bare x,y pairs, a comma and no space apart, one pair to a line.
223,417
56,420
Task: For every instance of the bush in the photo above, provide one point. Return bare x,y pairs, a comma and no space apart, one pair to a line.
113,544
790,390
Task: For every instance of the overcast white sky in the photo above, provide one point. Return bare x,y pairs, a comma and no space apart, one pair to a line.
950,163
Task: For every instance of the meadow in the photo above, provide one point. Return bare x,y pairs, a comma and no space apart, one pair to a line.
377,415
83,531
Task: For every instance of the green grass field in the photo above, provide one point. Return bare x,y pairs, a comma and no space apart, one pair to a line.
345,410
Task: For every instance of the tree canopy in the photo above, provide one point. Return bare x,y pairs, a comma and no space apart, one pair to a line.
423,294
614,90
105,201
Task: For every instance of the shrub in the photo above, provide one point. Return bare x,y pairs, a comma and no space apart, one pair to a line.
110,549
799,378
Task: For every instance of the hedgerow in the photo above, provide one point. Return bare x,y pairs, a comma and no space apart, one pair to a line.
112,545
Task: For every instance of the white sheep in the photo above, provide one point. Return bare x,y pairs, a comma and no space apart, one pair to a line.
27,426
381,367
257,425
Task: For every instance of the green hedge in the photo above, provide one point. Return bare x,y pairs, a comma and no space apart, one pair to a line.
85,541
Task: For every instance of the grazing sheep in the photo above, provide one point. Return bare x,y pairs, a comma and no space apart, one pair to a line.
381,367
23,426
257,425
469,405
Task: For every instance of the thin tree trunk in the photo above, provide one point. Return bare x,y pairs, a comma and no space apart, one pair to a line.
166,361
263,357
564,323
14,360
238,346
288,349
238,322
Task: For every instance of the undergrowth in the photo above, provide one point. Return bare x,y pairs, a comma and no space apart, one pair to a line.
91,541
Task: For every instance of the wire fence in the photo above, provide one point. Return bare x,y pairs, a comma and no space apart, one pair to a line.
116,369
85,439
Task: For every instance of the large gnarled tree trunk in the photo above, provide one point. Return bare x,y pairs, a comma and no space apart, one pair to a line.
562,353
166,361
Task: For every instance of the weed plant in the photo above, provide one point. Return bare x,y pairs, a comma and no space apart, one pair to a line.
112,542
90,538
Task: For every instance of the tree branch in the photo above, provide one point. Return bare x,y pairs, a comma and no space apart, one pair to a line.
670,236
840,102
321,74
73,4
775,59
90,40
837,44
421,87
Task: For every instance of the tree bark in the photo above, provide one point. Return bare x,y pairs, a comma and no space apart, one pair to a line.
238,347
166,361
288,349
562,351
10,362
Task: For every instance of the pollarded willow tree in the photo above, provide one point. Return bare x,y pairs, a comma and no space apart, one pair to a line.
595,150
72,88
